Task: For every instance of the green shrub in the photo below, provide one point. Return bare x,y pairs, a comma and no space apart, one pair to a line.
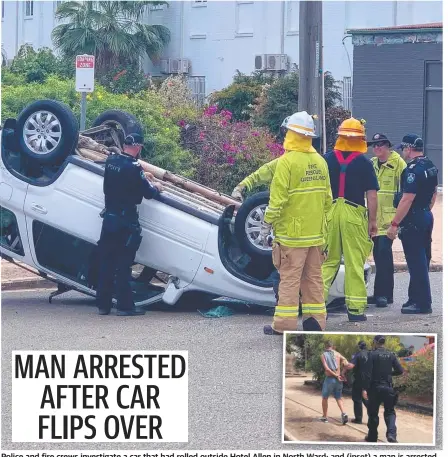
129,80
16,98
12,79
36,66
240,96
177,99
419,376
162,135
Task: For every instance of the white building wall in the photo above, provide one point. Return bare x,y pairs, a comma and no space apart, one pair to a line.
19,29
220,37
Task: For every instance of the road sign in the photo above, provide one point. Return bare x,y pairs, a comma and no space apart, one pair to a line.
85,73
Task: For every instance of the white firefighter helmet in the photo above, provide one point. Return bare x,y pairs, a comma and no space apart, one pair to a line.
301,123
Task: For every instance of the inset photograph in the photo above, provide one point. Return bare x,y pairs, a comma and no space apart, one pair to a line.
359,388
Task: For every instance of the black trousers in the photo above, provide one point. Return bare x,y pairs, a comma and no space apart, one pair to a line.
416,240
116,259
388,397
384,262
358,401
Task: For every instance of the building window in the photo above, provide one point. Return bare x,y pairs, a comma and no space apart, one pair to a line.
199,3
347,93
3,10
29,8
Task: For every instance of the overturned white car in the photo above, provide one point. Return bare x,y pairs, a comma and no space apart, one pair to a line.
51,196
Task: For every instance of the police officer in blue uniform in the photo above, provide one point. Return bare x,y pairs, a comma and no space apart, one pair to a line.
378,389
125,185
414,222
359,361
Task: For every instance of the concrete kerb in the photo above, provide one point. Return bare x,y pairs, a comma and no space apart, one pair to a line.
400,267
27,283
41,283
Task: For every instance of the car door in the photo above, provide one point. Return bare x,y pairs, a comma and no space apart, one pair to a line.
13,236
63,222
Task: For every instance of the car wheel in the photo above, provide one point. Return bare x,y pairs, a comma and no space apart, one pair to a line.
122,122
248,222
47,131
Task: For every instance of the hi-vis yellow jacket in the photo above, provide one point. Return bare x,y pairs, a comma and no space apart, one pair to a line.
263,175
300,195
388,176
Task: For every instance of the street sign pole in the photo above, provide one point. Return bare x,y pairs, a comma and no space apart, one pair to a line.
85,82
82,122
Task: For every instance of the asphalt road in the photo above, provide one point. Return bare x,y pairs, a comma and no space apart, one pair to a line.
235,372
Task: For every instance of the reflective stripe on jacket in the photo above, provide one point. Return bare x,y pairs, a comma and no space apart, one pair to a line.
300,196
388,175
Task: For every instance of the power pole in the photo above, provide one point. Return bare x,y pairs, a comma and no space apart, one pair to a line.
311,78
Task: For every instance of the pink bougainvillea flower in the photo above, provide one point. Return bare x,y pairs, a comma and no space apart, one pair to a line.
182,123
231,160
202,135
226,146
255,134
224,123
211,110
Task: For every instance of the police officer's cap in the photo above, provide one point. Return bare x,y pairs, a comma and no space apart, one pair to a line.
411,140
380,339
379,138
362,345
134,139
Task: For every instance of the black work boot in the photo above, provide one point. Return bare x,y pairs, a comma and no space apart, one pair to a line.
407,304
356,317
103,311
370,440
372,300
356,421
391,439
131,312
381,302
268,330
414,309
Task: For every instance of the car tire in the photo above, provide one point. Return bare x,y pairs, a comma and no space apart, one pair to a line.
250,215
47,145
121,121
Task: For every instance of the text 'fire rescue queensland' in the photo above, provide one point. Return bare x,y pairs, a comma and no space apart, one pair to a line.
99,396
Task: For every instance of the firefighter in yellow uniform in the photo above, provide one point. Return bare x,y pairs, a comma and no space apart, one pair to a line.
350,224
300,196
388,166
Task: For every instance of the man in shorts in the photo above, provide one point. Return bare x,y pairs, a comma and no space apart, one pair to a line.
334,378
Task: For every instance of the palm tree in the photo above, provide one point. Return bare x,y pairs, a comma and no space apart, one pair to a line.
112,31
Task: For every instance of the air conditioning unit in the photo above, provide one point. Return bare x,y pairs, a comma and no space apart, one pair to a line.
271,62
175,66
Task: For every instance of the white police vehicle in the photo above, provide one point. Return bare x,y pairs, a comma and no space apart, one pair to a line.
51,198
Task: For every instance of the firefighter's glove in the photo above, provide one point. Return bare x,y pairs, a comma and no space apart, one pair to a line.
265,232
237,193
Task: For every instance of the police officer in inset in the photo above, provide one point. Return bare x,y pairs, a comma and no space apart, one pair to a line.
378,388
359,361
125,185
414,222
